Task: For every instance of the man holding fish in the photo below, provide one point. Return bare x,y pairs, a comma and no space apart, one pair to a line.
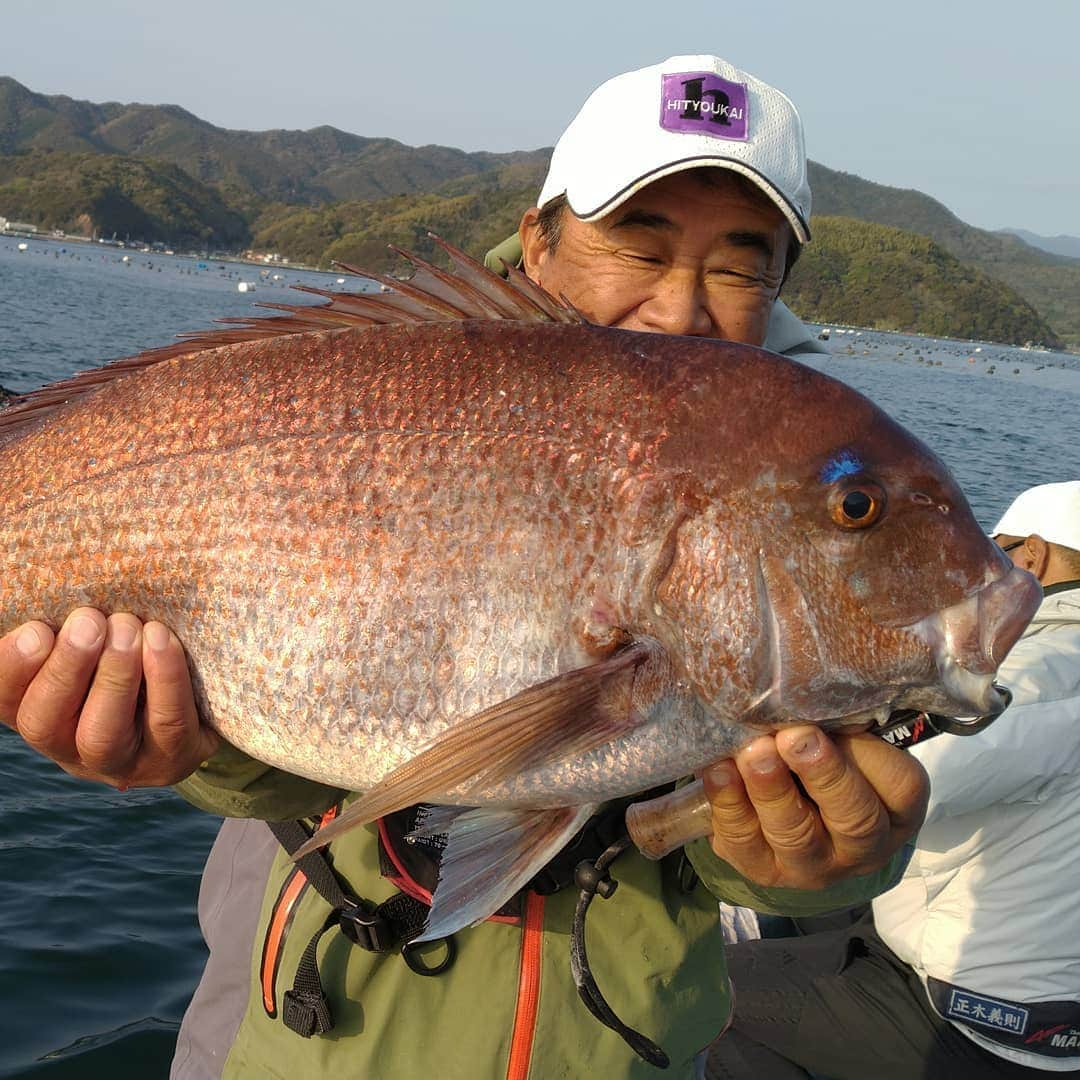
675,204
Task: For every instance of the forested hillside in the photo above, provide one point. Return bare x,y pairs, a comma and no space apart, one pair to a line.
1050,283
87,194
890,279
249,167
473,215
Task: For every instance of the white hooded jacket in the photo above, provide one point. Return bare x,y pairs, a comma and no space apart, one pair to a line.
991,899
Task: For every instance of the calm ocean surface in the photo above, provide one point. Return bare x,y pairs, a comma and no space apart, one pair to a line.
99,947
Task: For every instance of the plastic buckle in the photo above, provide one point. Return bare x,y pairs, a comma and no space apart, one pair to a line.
363,924
305,1014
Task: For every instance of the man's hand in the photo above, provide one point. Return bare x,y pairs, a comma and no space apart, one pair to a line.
866,798
74,697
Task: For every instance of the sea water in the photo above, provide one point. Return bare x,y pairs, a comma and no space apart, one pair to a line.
99,946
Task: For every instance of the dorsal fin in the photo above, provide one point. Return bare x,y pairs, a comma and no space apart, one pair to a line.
468,291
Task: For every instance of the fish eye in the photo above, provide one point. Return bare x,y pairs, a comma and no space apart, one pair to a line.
857,506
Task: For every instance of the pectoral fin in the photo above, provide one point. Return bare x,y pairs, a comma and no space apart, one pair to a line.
555,720
489,855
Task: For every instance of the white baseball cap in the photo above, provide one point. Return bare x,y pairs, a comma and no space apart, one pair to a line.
687,112
1051,511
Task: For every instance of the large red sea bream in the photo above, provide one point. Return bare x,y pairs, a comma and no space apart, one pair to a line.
453,545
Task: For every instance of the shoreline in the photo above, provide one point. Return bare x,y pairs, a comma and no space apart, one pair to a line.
832,327
70,238
1051,371
844,329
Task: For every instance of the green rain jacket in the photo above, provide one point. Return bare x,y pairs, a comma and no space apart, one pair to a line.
507,1007
657,953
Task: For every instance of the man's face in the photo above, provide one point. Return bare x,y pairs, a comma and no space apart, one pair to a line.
679,257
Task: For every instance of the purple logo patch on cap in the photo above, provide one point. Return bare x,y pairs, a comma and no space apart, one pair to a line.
701,103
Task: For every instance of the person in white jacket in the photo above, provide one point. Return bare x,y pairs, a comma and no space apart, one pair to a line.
970,966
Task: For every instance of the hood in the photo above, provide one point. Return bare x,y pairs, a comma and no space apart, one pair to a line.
787,335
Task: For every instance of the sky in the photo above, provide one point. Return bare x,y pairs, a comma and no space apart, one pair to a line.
973,103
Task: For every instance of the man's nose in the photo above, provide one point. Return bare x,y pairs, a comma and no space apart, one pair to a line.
677,305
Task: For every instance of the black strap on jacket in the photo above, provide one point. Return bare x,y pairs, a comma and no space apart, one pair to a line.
379,928
392,924
421,858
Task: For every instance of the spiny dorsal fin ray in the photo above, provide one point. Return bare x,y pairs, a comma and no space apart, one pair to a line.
380,309
315,318
430,303
503,291
454,289
470,291
543,301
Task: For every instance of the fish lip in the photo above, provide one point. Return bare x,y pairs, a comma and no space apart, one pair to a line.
969,640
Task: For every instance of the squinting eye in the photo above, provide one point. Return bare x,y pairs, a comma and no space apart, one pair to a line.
858,506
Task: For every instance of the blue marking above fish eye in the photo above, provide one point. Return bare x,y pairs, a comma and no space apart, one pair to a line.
845,463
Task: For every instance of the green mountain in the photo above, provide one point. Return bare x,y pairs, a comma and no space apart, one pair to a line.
890,279
1049,282
87,193
474,213
1069,246
249,167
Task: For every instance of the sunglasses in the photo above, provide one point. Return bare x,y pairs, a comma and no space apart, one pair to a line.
1014,544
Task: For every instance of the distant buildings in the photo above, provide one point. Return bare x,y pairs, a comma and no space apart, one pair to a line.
17,228
265,257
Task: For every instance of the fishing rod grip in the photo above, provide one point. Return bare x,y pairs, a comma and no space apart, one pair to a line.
658,826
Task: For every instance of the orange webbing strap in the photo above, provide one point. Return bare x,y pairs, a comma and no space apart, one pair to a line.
281,915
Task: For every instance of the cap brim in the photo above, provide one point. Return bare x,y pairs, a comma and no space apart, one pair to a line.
800,227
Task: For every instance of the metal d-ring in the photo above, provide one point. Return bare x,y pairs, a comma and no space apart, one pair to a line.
410,953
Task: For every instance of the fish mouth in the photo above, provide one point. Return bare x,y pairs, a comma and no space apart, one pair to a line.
908,710
968,642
